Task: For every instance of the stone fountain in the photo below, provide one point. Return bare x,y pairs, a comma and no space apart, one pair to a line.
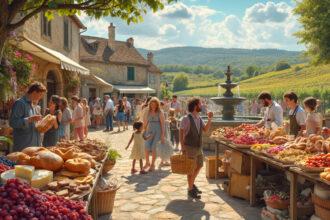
228,118
228,101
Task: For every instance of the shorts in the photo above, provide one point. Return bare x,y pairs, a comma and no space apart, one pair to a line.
196,154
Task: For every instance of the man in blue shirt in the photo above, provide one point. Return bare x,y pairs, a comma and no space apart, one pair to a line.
25,113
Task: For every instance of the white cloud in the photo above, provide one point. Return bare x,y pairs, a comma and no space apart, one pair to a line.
268,12
168,30
264,25
178,10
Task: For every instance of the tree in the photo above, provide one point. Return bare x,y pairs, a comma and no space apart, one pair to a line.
180,82
14,13
281,65
250,70
314,17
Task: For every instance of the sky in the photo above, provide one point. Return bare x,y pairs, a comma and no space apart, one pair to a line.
247,24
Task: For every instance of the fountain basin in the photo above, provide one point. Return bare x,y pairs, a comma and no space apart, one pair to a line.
228,100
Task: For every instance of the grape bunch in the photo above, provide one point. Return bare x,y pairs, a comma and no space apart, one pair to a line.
20,201
7,162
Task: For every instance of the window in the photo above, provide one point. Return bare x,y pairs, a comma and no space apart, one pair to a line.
66,31
130,73
46,26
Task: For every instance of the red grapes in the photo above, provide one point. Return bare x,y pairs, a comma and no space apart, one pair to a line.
19,201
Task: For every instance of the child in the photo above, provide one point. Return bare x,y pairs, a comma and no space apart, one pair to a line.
313,119
137,152
174,128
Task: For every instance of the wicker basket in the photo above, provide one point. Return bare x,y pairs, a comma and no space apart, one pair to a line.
321,202
181,164
105,201
108,165
322,213
278,204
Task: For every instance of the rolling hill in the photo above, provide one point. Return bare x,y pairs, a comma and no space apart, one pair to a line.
305,80
221,57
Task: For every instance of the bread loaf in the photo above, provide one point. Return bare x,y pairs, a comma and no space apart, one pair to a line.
78,165
31,151
19,158
47,160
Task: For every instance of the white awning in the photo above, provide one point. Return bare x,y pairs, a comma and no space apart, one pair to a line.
52,56
102,82
134,89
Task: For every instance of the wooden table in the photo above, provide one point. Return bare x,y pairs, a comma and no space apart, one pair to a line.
292,171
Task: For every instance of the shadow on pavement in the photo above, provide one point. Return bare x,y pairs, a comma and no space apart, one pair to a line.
188,209
144,181
240,206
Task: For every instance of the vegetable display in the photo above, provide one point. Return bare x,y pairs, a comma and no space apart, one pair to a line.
320,160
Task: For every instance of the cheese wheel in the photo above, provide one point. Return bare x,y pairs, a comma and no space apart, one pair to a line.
9,174
24,171
41,178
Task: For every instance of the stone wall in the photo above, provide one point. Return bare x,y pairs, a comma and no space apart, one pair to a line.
117,74
32,29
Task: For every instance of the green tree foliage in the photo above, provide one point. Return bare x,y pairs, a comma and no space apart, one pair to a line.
281,65
180,82
250,70
314,16
128,10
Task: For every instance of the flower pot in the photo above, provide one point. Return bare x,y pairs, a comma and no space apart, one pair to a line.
108,165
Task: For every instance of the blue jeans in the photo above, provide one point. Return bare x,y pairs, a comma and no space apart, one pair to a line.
109,121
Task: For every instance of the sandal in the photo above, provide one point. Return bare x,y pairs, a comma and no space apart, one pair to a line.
143,172
133,171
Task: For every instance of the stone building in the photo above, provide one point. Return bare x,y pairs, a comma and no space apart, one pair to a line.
120,64
54,46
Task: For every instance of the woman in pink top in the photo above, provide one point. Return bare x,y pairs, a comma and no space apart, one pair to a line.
78,118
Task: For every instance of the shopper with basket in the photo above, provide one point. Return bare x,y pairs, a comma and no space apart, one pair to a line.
191,131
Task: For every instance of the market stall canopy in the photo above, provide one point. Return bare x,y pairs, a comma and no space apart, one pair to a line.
52,56
133,89
99,82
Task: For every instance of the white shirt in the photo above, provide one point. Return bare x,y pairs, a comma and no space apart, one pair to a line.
109,105
273,114
128,105
300,115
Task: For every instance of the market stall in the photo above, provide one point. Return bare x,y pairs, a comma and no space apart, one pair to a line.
66,175
298,158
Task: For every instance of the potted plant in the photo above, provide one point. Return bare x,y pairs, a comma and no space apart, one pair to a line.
110,162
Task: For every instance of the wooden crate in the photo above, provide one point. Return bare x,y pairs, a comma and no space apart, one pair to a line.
239,186
210,166
240,163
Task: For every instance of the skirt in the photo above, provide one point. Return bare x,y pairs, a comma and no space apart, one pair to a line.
164,151
120,116
137,152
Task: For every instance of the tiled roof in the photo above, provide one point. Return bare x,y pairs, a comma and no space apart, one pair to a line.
97,49
154,69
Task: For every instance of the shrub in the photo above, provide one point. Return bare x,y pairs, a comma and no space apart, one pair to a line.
282,65
180,82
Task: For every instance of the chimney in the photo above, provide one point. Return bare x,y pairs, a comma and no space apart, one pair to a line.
150,57
130,42
111,33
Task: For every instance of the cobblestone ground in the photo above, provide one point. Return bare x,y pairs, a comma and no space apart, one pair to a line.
163,195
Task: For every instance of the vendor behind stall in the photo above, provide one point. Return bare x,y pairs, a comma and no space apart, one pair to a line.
24,114
297,114
273,116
